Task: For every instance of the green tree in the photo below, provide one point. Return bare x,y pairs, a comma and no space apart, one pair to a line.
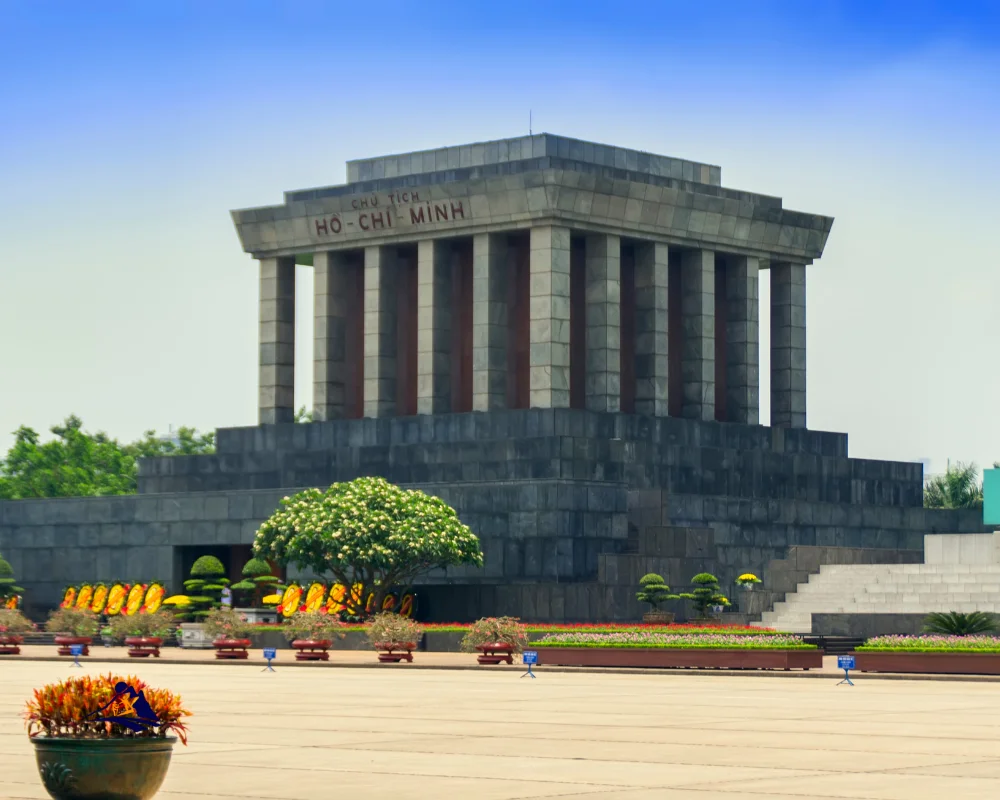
959,487
303,415
76,463
654,591
368,534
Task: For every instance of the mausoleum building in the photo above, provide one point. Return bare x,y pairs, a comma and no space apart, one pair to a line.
559,338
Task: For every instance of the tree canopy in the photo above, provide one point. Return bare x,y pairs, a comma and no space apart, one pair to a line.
76,463
959,487
369,535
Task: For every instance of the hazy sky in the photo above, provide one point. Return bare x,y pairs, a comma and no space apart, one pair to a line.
128,131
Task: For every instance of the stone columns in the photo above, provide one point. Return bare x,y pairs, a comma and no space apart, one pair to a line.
742,341
276,401
433,327
489,322
698,313
380,332
603,317
652,364
549,317
788,345
329,338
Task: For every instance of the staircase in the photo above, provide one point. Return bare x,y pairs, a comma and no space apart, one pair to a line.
888,589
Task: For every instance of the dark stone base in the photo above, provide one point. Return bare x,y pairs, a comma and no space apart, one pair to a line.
864,626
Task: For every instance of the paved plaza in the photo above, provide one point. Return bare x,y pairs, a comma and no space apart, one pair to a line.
318,733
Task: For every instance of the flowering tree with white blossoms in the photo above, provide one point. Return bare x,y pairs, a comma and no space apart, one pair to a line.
369,534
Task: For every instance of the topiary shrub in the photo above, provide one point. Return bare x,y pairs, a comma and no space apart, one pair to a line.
257,581
204,588
496,630
705,594
654,591
8,591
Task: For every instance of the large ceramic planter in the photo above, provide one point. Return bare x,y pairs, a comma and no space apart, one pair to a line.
257,616
495,653
929,663
231,648
102,769
658,617
192,635
143,646
394,652
311,649
65,642
679,657
9,644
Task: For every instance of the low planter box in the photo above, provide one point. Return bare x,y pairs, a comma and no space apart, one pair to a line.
231,648
192,635
929,663
9,644
143,646
658,617
255,616
394,652
311,649
495,653
65,642
678,657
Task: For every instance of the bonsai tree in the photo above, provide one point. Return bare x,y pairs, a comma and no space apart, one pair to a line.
390,628
316,626
204,587
705,594
496,630
224,623
158,625
8,591
654,591
72,621
368,534
955,623
257,581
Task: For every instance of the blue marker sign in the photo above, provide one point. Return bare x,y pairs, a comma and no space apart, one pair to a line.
270,652
845,662
530,656
76,650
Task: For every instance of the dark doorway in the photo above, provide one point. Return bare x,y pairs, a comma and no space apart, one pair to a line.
406,331
518,332
461,326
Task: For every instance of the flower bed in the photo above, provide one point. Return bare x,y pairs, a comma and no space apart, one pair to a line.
583,627
692,650
951,655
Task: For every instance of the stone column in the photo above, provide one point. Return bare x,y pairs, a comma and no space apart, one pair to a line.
329,337
603,300
433,327
652,363
489,322
276,402
549,317
698,320
742,340
788,345
380,332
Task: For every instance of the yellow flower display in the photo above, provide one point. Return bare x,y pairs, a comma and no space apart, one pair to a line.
134,602
84,597
100,599
69,597
335,603
290,600
154,598
271,600
315,597
116,599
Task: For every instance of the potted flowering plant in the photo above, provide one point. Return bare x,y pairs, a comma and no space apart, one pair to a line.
143,633
747,582
395,637
229,631
496,639
311,634
102,737
12,624
72,626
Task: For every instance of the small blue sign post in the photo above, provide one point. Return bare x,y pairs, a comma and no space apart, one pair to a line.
529,657
76,650
846,663
270,653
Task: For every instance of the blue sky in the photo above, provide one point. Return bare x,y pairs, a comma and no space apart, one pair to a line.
129,130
